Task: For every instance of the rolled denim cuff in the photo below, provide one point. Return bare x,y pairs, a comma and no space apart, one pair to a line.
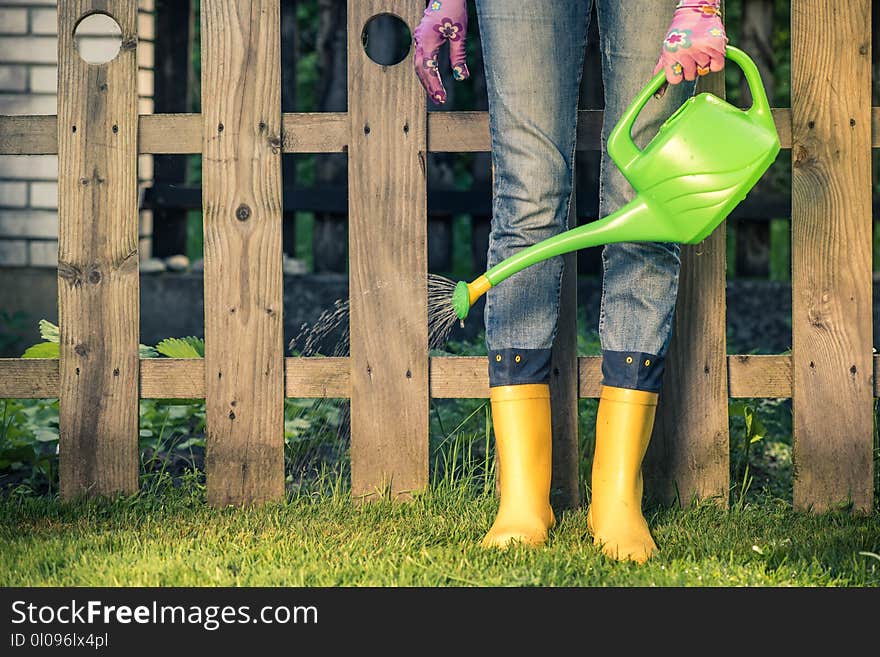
633,369
513,367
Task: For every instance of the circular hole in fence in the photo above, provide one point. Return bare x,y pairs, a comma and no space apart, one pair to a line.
386,39
97,38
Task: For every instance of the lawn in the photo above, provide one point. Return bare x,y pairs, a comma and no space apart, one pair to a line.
167,536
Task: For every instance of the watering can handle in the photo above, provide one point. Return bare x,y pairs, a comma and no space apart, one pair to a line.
623,149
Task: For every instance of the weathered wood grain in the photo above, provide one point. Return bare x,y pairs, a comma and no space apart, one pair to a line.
782,119
28,135
452,377
317,377
388,265
173,378
22,378
170,134
98,259
689,456
590,375
459,132
178,378
244,353
752,376
322,132
459,377
831,254
319,132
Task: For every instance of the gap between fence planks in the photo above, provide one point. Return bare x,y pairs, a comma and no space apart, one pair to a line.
244,351
320,132
97,260
831,255
450,377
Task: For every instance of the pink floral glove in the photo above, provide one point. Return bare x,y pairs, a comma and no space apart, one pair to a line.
443,19
695,42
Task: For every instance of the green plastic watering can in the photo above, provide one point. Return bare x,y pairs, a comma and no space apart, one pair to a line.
703,161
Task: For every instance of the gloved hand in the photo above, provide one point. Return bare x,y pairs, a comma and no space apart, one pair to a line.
443,19
695,42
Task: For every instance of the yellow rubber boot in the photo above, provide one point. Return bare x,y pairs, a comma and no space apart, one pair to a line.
623,429
521,417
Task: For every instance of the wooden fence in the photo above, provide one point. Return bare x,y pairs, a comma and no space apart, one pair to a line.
389,376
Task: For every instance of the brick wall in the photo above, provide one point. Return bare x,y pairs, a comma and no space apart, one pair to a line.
28,80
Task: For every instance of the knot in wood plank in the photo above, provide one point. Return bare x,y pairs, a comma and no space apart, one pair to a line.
243,212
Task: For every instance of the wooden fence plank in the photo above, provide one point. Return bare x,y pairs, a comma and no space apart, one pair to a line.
764,377
304,377
590,374
173,378
22,378
751,376
782,118
98,259
459,377
459,132
831,254
28,135
689,455
388,264
317,377
320,132
244,353
171,134
452,377
180,378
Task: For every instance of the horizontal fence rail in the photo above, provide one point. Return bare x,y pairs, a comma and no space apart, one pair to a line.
476,200
307,132
451,377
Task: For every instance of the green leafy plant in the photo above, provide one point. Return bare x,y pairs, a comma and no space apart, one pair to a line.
754,433
50,347
189,347
29,444
42,350
171,431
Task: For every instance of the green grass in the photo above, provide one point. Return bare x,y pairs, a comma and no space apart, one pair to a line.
167,535
170,537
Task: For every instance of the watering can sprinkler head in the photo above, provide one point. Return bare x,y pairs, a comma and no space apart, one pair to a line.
467,293
461,301
694,172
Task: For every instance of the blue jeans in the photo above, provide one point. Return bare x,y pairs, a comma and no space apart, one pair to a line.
533,53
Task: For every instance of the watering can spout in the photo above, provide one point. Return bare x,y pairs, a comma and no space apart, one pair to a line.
622,226
687,179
